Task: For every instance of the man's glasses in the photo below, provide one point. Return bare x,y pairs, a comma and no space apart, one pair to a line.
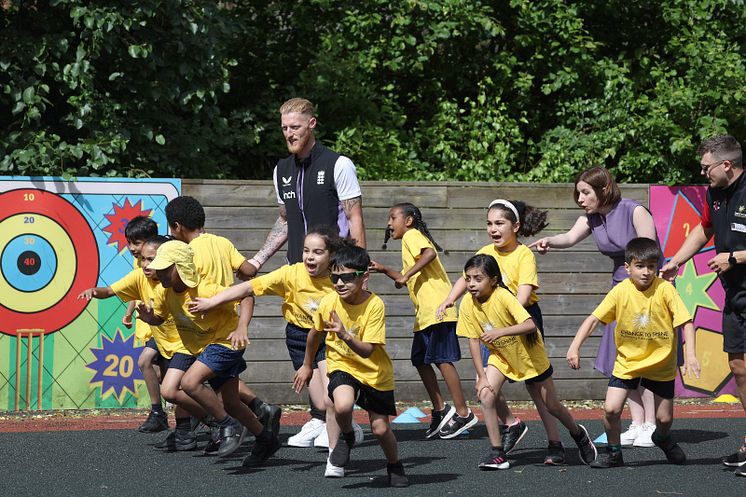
345,277
706,167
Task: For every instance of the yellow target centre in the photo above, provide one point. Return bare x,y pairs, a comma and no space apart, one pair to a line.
52,293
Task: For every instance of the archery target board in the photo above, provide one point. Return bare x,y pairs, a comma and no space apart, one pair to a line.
57,239
48,255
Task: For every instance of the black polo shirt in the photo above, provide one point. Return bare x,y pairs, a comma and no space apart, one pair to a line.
728,216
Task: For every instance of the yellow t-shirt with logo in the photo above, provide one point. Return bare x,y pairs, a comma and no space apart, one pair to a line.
517,267
645,333
512,355
430,286
216,258
367,323
197,331
136,286
301,293
143,332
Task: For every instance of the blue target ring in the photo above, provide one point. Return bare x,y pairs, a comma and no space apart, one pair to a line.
29,262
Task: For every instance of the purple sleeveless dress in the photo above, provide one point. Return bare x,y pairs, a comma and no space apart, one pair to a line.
612,232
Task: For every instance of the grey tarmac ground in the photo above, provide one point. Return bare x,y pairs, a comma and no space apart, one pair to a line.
122,462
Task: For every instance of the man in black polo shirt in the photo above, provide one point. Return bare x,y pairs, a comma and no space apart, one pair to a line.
315,187
724,216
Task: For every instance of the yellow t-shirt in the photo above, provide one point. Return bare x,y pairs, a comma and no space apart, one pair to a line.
367,323
430,286
301,293
216,258
517,267
645,333
143,332
510,354
137,286
197,331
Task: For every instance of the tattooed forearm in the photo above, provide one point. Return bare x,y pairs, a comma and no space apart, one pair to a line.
275,239
350,203
353,209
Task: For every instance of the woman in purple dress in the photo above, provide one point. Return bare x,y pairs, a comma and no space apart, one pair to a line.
613,221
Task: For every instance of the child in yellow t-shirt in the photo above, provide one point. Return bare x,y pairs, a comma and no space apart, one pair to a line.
647,310
138,230
217,260
302,286
493,316
216,342
506,221
435,341
360,370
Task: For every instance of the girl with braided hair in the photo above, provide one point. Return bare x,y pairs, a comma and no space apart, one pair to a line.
435,341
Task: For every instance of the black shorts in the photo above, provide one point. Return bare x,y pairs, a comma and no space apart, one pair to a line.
543,376
179,361
150,344
663,389
368,398
734,330
295,340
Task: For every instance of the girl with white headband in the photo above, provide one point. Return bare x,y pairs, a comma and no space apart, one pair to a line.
506,220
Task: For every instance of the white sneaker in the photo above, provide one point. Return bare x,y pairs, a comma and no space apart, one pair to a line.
308,433
645,438
629,436
323,439
333,471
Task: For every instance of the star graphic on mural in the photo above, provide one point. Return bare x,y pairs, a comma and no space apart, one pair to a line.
119,219
693,288
115,367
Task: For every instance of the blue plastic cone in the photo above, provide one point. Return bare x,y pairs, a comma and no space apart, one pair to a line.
416,412
405,417
601,439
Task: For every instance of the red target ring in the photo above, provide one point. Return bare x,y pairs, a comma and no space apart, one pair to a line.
55,315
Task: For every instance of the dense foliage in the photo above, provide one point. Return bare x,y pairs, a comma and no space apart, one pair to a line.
519,90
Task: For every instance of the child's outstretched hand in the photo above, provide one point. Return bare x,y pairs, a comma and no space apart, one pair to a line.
490,336
441,310
334,325
127,320
691,366
239,338
573,358
146,313
302,377
87,294
200,305
376,267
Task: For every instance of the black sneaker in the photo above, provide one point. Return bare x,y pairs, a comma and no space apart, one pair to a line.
213,445
586,449
608,459
741,471
736,459
340,455
511,435
269,416
555,454
157,421
457,425
178,440
674,453
262,451
231,438
439,419
397,478
496,459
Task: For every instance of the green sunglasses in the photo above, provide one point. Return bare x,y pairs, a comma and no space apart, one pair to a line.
345,277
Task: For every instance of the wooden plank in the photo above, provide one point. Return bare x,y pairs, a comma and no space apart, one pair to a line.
546,196
414,391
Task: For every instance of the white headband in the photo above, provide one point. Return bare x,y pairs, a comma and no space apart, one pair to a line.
507,204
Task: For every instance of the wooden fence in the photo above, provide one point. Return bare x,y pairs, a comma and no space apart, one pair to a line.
572,282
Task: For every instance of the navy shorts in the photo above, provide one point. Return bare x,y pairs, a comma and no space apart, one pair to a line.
734,331
663,389
179,361
436,344
150,344
224,362
295,339
368,398
535,312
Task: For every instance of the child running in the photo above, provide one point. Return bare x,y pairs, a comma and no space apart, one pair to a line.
217,260
302,286
360,370
435,341
216,342
493,316
139,285
506,220
647,309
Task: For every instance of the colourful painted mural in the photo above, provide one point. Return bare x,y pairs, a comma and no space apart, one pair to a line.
58,238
